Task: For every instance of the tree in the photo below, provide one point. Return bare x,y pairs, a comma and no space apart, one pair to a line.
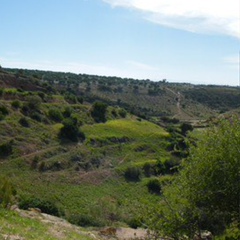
98,112
70,130
206,193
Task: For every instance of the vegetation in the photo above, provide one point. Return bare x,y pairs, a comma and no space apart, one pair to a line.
107,151
205,194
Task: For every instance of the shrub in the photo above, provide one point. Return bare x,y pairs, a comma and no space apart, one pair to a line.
148,169
134,223
84,220
154,186
45,206
132,174
16,104
1,92
70,130
67,112
24,122
55,114
122,113
34,102
98,112
6,149
3,110
36,116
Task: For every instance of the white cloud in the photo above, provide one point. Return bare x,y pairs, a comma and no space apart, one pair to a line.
201,16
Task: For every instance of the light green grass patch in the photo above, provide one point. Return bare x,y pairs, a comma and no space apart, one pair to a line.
124,128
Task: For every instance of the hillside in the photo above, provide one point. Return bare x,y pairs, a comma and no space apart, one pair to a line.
98,151
144,98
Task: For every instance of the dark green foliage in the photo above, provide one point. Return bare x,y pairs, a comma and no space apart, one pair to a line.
134,223
98,112
3,110
132,174
206,193
1,92
34,102
44,205
84,220
24,122
16,104
55,114
67,112
154,186
70,98
148,169
71,131
36,116
185,127
114,113
122,113
7,192
6,148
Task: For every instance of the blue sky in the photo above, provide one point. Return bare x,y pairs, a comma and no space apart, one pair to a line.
195,41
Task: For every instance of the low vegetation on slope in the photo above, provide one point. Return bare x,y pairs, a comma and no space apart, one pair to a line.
96,163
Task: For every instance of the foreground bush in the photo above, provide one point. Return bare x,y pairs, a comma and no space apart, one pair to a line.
45,206
205,195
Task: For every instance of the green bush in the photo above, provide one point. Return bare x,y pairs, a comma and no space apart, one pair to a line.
71,131
3,110
45,206
6,149
154,186
55,114
132,174
122,113
67,112
34,102
24,122
1,92
16,104
98,112
84,220
36,116
134,223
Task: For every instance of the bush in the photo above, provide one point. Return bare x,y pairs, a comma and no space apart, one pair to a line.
45,206
84,220
1,92
134,223
55,114
6,149
132,174
36,116
16,104
70,130
67,112
98,112
154,186
3,110
34,102
24,122
122,113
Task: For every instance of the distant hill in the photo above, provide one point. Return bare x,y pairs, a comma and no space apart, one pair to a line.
141,97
